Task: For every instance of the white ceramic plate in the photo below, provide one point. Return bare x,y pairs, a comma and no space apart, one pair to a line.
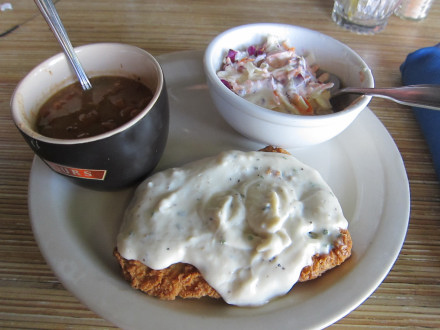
76,228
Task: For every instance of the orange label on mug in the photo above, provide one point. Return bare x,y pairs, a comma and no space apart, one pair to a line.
78,172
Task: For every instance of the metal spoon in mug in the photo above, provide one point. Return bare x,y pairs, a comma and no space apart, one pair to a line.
422,96
50,14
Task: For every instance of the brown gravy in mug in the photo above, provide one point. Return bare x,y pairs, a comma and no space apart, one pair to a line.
73,113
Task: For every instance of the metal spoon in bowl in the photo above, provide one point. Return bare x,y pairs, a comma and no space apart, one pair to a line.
50,14
422,96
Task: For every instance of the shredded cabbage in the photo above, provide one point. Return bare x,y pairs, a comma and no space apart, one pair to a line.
274,76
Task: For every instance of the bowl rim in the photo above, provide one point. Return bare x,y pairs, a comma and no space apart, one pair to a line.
60,57
271,115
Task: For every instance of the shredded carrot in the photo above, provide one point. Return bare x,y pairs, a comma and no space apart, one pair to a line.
276,97
247,59
309,110
286,47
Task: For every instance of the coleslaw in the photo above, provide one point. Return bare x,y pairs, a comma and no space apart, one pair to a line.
274,76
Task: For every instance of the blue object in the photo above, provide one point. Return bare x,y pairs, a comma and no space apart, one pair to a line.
423,67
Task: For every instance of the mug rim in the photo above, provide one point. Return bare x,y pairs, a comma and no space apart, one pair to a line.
18,119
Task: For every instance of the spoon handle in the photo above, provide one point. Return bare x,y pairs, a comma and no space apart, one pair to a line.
50,14
423,96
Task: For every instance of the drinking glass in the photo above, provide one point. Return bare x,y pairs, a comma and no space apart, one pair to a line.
363,16
415,10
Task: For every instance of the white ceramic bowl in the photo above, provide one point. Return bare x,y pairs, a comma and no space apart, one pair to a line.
275,128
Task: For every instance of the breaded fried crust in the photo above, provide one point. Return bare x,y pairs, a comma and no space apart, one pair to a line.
178,280
185,281
275,149
323,262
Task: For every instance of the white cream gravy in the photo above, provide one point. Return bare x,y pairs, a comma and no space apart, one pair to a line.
249,221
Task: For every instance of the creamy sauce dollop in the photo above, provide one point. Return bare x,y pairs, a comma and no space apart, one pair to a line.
249,221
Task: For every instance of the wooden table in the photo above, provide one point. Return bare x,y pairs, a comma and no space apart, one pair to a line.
30,294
